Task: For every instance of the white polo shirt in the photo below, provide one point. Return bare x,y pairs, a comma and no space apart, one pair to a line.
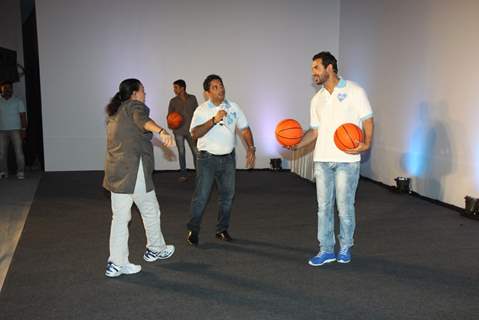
347,103
10,113
221,139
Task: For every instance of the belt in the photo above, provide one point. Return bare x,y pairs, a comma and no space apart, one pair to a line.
216,155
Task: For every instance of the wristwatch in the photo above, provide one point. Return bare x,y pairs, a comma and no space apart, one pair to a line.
253,148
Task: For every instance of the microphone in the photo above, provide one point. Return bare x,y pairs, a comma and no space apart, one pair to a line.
222,122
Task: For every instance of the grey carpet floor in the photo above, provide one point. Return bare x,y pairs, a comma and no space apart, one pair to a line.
412,259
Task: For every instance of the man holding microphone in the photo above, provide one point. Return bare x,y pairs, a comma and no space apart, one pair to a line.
214,124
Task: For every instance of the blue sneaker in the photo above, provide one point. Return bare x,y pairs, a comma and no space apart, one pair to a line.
344,255
322,258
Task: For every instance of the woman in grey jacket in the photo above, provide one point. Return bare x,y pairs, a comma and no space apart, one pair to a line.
129,167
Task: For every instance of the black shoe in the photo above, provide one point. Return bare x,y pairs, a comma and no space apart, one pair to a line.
224,236
192,238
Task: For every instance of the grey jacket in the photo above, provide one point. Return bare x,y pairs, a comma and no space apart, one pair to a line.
127,141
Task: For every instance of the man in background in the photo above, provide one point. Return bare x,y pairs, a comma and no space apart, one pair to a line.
185,104
13,126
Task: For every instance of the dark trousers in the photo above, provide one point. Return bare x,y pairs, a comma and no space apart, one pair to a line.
211,168
15,137
180,144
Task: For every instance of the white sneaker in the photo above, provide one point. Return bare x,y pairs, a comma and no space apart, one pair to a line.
3,175
20,175
151,255
113,270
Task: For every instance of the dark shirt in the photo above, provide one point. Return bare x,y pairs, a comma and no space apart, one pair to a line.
127,141
186,109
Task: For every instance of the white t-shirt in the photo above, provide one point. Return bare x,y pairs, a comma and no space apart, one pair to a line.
10,113
221,139
347,104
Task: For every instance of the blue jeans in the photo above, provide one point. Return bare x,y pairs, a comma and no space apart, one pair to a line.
211,168
336,180
180,144
15,137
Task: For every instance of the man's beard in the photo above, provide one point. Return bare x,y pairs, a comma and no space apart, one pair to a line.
321,79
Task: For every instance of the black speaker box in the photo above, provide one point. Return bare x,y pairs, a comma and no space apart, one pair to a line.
8,65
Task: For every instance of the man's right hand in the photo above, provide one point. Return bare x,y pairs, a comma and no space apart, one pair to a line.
309,136
220,115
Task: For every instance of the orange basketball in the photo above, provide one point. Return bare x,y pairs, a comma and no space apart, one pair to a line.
347,135
289,132
175,120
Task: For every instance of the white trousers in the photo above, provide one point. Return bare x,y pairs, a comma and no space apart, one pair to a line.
150,213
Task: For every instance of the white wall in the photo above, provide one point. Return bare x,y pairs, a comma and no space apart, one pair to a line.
11,36
261,48
418,60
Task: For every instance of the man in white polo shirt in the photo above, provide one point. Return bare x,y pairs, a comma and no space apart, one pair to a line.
336,172
214,124
13,125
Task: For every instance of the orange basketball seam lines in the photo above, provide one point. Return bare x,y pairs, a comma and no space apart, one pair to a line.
349,136
338,141
293,128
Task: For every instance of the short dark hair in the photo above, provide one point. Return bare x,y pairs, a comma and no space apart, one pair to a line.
207,82
181,83
327,59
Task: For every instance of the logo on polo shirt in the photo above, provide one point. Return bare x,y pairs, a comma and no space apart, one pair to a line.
231,116
342,96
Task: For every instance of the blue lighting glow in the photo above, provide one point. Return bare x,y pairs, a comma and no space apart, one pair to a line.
421,143
416,157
